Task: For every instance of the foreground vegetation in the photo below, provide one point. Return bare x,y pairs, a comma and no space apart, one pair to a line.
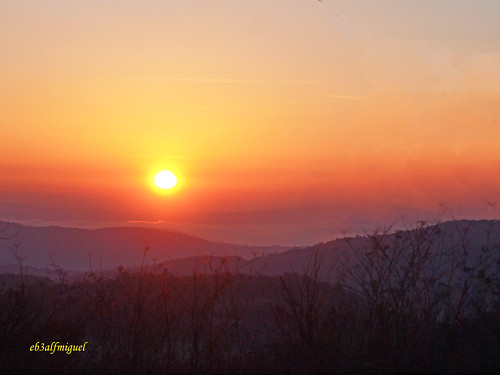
405,302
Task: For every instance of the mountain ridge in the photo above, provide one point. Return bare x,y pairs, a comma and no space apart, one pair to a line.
80,249
126,246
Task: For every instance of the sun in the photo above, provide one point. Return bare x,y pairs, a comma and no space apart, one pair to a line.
165,180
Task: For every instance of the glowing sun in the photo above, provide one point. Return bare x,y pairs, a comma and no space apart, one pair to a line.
165,180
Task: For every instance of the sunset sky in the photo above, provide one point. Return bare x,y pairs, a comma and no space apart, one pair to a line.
255,106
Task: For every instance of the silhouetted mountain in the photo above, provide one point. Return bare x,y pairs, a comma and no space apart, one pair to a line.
181,254
459,236
463,235
76,249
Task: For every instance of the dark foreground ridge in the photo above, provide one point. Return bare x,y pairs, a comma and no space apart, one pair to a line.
425,300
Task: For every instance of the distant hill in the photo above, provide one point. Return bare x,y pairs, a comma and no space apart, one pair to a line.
469,234
76,249
459,236
181,254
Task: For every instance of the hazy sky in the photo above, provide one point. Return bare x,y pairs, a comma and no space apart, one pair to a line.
254,104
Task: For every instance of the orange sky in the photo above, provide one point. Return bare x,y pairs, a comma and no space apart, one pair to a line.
256,105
